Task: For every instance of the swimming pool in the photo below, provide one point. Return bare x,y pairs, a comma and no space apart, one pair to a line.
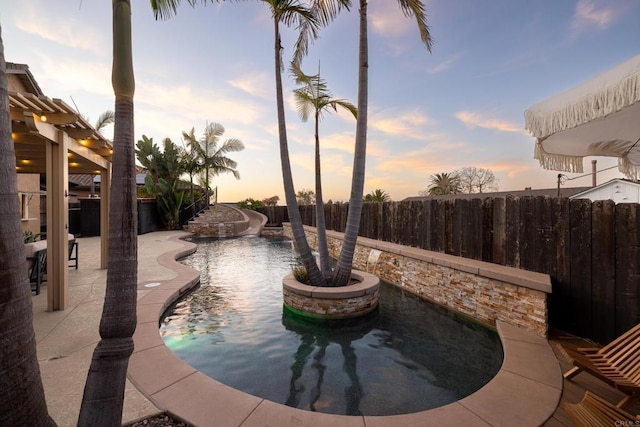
407,356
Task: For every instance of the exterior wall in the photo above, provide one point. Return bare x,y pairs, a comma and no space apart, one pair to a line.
29,193
486,292
619,191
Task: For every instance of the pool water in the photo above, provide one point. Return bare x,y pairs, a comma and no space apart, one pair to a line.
407,356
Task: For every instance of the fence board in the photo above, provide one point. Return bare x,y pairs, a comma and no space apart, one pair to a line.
560,298
527,235
580,275
512,232
627,266
438,220
487,232
472,230
603,274
457,226
498,248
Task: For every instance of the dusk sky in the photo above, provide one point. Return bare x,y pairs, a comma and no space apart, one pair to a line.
461,105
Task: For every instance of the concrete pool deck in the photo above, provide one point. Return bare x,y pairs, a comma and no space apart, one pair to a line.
526,391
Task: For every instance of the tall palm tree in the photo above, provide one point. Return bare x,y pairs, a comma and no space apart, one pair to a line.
313,97
104,390
23,402
342,272
210,155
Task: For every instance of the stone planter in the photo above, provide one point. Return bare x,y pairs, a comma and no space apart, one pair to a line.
342,302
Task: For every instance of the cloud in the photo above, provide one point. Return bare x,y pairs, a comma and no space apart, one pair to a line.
407,124
598,14
473,119
72,74
63,30
587,15
260,85
443,66
387,19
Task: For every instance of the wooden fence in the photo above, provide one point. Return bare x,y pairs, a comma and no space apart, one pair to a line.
591,250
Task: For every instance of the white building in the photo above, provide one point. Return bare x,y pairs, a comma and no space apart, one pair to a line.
619,190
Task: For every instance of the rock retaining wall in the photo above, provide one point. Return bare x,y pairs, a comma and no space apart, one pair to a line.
484,291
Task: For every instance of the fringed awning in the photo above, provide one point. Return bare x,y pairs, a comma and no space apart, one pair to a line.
601,117
558,162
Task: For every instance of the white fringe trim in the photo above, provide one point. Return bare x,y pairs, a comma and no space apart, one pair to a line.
589,107
629,170
557,162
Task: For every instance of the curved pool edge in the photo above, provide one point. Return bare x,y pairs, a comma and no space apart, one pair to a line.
526,390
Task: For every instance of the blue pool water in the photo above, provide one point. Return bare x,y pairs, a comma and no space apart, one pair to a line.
407,356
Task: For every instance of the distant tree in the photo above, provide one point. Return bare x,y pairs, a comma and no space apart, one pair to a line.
305,197
377,196
271,201
250,203
442,183
477,180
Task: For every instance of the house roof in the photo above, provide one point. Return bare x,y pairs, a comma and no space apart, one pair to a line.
546,192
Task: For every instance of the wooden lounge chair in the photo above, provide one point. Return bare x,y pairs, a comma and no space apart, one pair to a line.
594,411
617,363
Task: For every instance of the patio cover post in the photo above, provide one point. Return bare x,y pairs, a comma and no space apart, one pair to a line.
57,222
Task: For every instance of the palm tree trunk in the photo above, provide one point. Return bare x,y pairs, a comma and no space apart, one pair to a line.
342,272
289,192
104,390
22,402
321,229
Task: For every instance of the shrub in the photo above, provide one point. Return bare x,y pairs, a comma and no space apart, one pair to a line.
252,204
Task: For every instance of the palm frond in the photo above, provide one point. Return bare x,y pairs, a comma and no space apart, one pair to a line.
105,119
416,8
165,9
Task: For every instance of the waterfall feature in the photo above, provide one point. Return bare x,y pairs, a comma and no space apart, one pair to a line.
372,261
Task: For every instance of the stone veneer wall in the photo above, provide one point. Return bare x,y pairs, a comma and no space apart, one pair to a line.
484,291
216,229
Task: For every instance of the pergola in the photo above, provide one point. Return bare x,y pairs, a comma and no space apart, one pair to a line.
51,138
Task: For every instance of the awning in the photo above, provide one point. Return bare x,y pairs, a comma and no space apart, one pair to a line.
600,117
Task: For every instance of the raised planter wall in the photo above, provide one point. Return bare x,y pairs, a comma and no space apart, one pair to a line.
344,302
484,291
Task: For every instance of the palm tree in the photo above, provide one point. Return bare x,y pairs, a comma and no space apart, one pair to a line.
104,390
210,156
314,97
342,272
444,183
23,401
377,196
